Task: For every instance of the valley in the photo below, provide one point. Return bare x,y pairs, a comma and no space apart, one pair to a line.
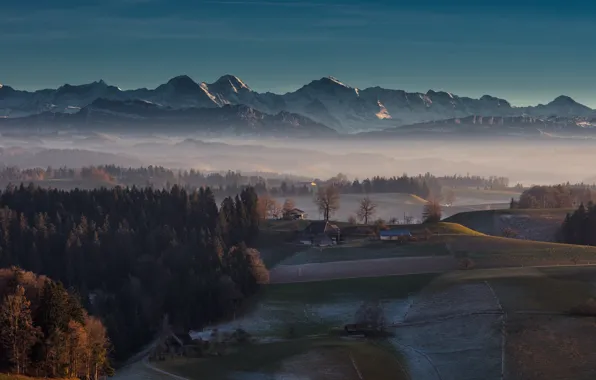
483,315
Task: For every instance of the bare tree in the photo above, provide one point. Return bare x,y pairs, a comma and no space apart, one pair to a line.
366,209
352,219
408,219
327,199
432,212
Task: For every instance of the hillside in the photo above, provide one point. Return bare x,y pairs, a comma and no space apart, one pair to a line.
528,224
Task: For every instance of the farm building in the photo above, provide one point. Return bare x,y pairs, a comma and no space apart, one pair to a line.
320,233
295,214
397,234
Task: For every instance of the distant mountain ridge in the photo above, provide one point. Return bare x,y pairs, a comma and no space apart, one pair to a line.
326,101
143,116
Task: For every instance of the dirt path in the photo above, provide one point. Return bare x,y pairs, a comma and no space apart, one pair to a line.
284,274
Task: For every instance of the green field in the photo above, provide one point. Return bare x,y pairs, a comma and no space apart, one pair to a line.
451,325
328,358
534,224
440,239
298,322
537,322
489,251
364,250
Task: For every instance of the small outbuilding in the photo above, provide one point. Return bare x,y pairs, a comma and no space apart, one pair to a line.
321,233
395,234
295,214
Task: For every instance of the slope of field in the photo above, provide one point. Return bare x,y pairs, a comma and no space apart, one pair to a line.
498,252
532,224
488,321
530,322
295,324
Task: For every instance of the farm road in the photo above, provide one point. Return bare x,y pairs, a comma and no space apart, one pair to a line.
284,274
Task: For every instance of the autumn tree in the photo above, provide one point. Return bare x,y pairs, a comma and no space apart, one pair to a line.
77,350
432,212
268,207
327,200
98,347
17,333
366,209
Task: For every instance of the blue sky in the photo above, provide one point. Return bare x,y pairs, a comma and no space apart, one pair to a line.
526,51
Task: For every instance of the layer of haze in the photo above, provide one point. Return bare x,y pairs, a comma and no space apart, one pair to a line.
546,161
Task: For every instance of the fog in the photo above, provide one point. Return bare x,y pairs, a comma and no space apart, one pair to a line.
537,161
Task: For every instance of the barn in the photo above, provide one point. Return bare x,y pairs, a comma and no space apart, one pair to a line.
395,234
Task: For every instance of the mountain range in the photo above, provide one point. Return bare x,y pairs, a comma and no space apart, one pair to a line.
323,106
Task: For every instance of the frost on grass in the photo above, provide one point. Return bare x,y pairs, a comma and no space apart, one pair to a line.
458,349
270,321
454,300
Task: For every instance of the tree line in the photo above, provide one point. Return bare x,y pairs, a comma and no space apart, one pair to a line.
231,183
558,196
579,227
135,255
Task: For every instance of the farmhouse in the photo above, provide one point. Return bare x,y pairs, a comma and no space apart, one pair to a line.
397,234
321,233
295,214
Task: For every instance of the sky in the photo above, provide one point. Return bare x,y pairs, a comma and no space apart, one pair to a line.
527,51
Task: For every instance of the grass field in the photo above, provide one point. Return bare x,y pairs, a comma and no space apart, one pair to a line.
445,238
315,359
454,325
298,324
542,337
360,248
530,224
366,249
483,321
490,251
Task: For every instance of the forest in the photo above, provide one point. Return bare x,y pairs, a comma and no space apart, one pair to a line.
558,196
136,255
579,227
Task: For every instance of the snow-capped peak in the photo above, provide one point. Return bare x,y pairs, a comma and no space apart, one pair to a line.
236,83
335,80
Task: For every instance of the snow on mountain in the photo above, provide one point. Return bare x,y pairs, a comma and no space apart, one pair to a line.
382,114
131,115
327,101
